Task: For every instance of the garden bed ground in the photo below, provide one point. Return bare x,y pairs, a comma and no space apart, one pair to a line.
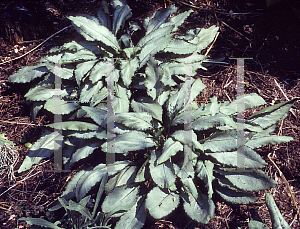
271,36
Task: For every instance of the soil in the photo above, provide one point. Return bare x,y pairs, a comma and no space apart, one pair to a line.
269,35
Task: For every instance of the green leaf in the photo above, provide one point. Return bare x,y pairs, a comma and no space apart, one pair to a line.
99,194
98,115
180,47
43,93
200,209
88,180
135,121
74,125
71,185
40,222
277,219
153,47
28,73
249,179
73,206
272,114
170,149
82,69
163,175
205,173
252,159
79,56
93,31
124,196
253,224
41,149
99,70
134,217
121,101
232,195
180,118
64,71
158,18
161,204
121,14
125,177
153,79
177,20
88,90
35,107
208,122
250,100
182,135
103,15
205,37
186,174
84,152
131,141
256,142
66,107
128,68
223,141
144,104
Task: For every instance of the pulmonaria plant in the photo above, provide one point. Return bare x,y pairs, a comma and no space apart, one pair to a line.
155,115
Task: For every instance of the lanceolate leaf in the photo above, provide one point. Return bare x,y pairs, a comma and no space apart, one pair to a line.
277,219
41,149
82,69
205,37
42,93
265,140
79,56
153,47
121,14
205,173
180,47
249,179
200,209
272,114
136,121
134,217
103,15
84,152
125,177
131,141
121,101
250,101
92,31
40,222
99,70
28,73
158,18
124,196
182,135
128,68
177,20
207,122
89,180
88,90
65,106
159,33
163,175
145,105
252,159
75,125
98,115
233,195
161,204
170,148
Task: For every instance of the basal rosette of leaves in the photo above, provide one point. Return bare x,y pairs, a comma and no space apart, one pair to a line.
155,112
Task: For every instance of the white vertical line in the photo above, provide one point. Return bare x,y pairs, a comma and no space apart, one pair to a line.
110,155
58,118
187,116
240,139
